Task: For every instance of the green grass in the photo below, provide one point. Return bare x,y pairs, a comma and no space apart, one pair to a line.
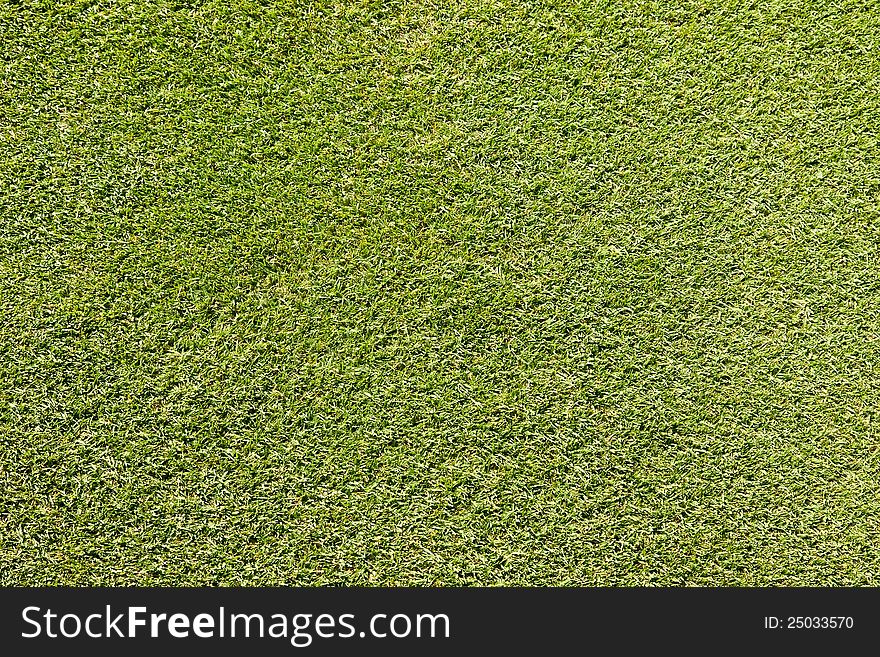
440,292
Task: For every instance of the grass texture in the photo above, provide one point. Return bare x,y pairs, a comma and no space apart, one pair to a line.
440,293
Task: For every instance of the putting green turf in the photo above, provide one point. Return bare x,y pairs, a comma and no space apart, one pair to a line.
440,293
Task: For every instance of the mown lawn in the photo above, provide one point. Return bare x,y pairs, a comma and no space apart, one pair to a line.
425,293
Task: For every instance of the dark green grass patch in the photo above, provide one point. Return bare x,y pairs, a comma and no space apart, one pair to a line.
439,293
